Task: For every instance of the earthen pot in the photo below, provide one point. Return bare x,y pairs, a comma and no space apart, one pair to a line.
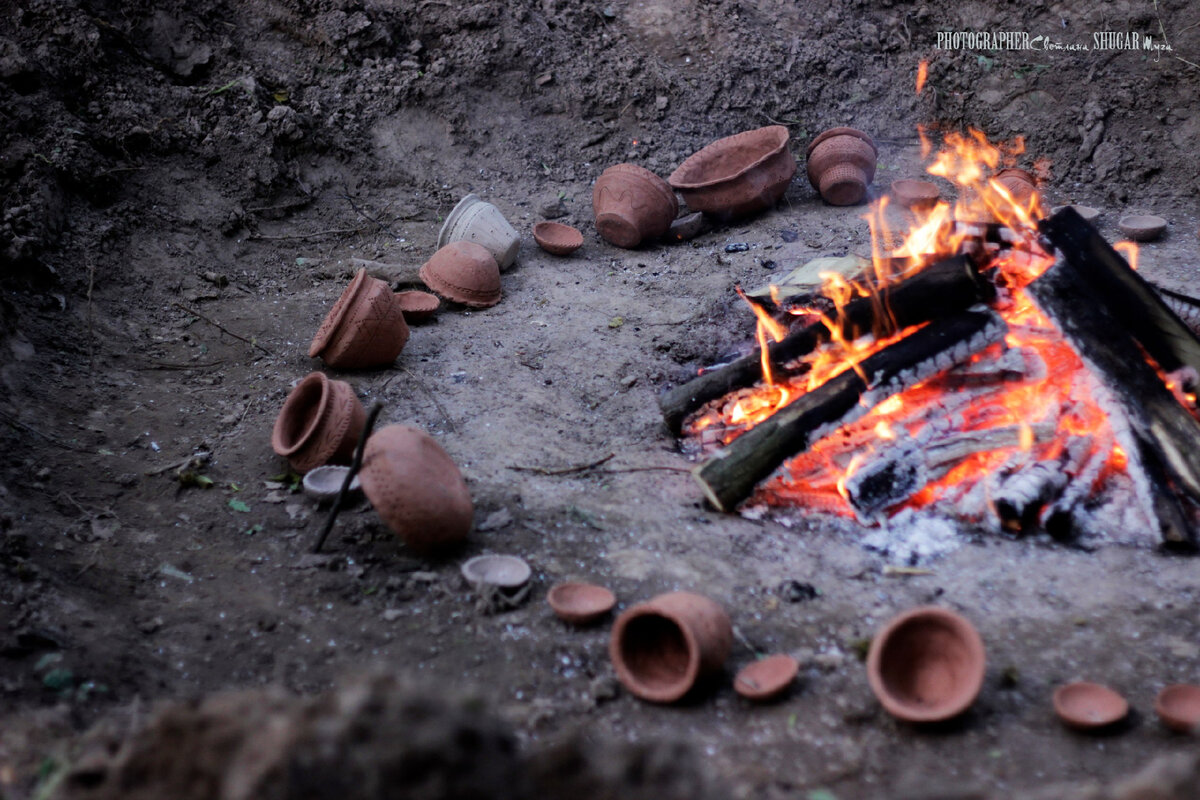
662,647
476,220
463,272
556,238
580,603
417,306
416,488
916,195
766,679
841,165
320,423
1179,708
1088,706
324,484
738,175
501,572
365,327
1142,227
632,204
926,665
1019,183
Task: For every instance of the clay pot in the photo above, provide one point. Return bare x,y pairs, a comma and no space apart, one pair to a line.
365,327
557,238
662,647
1019,183
766,679
416,488
1088,706
1142,227
478,221
926,665
501,572
1179,707
580,603
323,484
915,194
632,204
841,164
737,175
320,422
417,306
464,272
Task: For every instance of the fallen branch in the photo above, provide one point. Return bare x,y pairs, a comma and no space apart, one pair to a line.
564,470
355,466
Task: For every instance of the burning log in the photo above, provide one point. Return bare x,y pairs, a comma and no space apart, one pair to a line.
1163,437
940,290
1022,494
730,476
1186,308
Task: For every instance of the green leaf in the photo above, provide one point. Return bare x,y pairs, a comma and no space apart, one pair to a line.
47,660
204,482
616,322
253,529
104,451
822,794
59,679
238,505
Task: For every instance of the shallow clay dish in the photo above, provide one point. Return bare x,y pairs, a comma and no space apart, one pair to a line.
1179,707
1088,706
580,603
1088,213
737,175
464,272
504,572
323,483
417,306
1142,227
926,665
557,238
766,679
915,194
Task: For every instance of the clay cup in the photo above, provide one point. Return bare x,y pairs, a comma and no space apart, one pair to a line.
632,204
365,328
841,165
476,220
319,424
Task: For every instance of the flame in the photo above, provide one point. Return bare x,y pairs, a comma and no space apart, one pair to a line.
1130,251
922,74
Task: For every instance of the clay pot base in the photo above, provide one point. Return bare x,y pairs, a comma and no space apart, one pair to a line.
1089,706
766,679
580,603
1179,708
1143,227
556,238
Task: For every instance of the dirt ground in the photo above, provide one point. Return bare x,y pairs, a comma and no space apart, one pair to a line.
183,189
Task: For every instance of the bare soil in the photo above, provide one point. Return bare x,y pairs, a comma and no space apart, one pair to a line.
183,188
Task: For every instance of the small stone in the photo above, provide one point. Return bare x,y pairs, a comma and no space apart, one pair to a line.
553,209
544,78
789,236
151,625
392,614
687,228
496,520
629,381
603,689
795,591
767,263
830,661
661,102
736,247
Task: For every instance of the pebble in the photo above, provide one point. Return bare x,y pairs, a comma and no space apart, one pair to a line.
687,228
736,247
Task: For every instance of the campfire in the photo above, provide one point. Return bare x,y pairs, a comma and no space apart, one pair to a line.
1000,367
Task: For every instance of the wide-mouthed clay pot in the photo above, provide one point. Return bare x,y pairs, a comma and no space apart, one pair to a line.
632,204
365,328
556,238
1178,707
580,603
766,679
1089,706
662,647
320,423
463,272
737,175
416,488
1020,183
915,194
476,220
841,165
417,306
926,665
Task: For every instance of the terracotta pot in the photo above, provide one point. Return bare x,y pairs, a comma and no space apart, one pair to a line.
1179,707
841,164
464,272
324,484
766,679
580,603
320,423
632,204
915,194
417,306
557,238
416,488
365,327
926,665
478,221
737,175
662,647
1089,706
1142,227
1019,183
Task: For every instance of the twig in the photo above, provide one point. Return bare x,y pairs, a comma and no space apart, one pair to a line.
372,415
357,210
616,470
152,365
91,333
16,423
433,397
564,470
222,328
314,235
201,457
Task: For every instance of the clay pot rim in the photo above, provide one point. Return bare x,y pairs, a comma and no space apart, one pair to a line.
322,404
778,131
684,682
337,315
766,693
544,231
1059,701
1164,697
966,632
320,493
574,614
832,132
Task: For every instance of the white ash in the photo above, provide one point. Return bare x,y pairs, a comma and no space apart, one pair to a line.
911,538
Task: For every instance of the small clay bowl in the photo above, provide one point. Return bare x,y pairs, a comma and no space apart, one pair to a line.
417,306
1088,213
580,603
1179,707
556,238
1088,706
766,679
915,194
1142,227
323,483
503,572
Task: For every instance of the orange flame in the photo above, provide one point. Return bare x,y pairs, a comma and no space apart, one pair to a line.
922,74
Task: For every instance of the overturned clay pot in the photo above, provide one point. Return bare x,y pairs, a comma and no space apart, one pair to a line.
478,221
841,165
417,306
632,204
662,647
365,328
914,194
416,488
1142,227
556,238
464,272
320,423
738,175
